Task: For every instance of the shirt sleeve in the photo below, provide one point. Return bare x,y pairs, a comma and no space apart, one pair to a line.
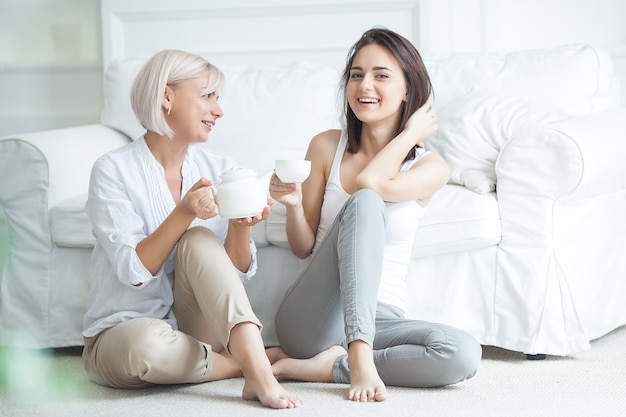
116,224
247,276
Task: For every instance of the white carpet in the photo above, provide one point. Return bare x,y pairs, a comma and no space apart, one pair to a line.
591,383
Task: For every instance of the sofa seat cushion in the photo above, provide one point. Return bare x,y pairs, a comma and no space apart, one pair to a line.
70,225
458,219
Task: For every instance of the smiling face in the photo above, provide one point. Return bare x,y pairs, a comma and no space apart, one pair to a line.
376,87
194,109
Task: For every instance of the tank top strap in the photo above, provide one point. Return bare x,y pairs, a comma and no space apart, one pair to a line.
333,177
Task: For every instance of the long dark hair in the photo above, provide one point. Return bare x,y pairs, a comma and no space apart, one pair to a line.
416,77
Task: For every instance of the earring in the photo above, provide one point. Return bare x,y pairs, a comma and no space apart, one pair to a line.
169,110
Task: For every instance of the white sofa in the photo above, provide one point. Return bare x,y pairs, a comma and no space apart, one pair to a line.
525,248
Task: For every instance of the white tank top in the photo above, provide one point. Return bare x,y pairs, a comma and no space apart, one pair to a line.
402,221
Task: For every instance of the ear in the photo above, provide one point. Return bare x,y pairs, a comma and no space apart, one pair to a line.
166,101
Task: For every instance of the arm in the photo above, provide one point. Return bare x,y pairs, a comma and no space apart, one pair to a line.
303,202
237,242
154,249
420,182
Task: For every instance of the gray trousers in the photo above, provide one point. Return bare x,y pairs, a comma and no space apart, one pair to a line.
334,302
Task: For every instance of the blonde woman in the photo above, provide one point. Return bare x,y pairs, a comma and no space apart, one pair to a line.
168,303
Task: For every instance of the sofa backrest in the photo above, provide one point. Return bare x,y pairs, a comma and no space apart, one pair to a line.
273,112
574,79
269,112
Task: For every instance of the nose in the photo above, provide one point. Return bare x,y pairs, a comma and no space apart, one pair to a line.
366,82
217,110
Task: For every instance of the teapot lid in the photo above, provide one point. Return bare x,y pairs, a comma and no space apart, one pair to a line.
237,172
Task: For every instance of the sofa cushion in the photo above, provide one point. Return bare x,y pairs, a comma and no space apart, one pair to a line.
259,124
458,219
576,78
117,112
70,225
473,129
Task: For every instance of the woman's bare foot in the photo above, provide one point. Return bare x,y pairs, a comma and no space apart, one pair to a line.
266,389
365,383
319,368
246,348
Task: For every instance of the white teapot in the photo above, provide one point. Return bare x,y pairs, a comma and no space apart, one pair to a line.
241,193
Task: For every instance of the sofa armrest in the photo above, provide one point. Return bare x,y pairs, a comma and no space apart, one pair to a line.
573,159
39,170
561,191
60,158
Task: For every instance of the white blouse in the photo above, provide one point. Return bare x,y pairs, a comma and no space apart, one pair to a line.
128,199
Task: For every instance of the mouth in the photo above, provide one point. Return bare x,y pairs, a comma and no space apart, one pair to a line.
208,123
368,100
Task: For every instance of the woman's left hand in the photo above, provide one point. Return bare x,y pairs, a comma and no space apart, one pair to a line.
424,122
253,220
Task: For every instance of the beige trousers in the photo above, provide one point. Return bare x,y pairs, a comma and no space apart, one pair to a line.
209,300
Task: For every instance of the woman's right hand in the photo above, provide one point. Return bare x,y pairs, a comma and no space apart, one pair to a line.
199,200
289,194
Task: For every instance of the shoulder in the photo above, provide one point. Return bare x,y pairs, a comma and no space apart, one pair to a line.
326,141
122,157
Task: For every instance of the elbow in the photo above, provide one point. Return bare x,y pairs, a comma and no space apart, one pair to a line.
300,252
301,255
366,182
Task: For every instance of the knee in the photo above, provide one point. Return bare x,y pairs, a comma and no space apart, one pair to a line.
368,198
368,205
148,344
465,359
198,234
197,239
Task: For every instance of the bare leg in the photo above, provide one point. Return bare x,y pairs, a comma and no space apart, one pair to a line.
223,366
246,347
319,368
275,354
365,384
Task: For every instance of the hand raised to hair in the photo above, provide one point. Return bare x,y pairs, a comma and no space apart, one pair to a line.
423,123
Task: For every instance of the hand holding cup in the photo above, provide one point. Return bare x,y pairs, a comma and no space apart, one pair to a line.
292,170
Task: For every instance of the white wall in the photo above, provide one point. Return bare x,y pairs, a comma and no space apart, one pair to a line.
50,72
46,84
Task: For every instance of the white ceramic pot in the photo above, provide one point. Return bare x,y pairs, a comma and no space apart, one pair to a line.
241,193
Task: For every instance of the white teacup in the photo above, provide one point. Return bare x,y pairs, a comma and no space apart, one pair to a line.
292,170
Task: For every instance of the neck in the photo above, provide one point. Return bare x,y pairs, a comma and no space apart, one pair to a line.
374,139
168,152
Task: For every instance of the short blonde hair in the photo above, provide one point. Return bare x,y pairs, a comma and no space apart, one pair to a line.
167,67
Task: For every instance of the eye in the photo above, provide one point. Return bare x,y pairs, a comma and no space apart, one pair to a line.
382,76
356,75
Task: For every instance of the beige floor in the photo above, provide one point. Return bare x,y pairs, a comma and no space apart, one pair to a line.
591,383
